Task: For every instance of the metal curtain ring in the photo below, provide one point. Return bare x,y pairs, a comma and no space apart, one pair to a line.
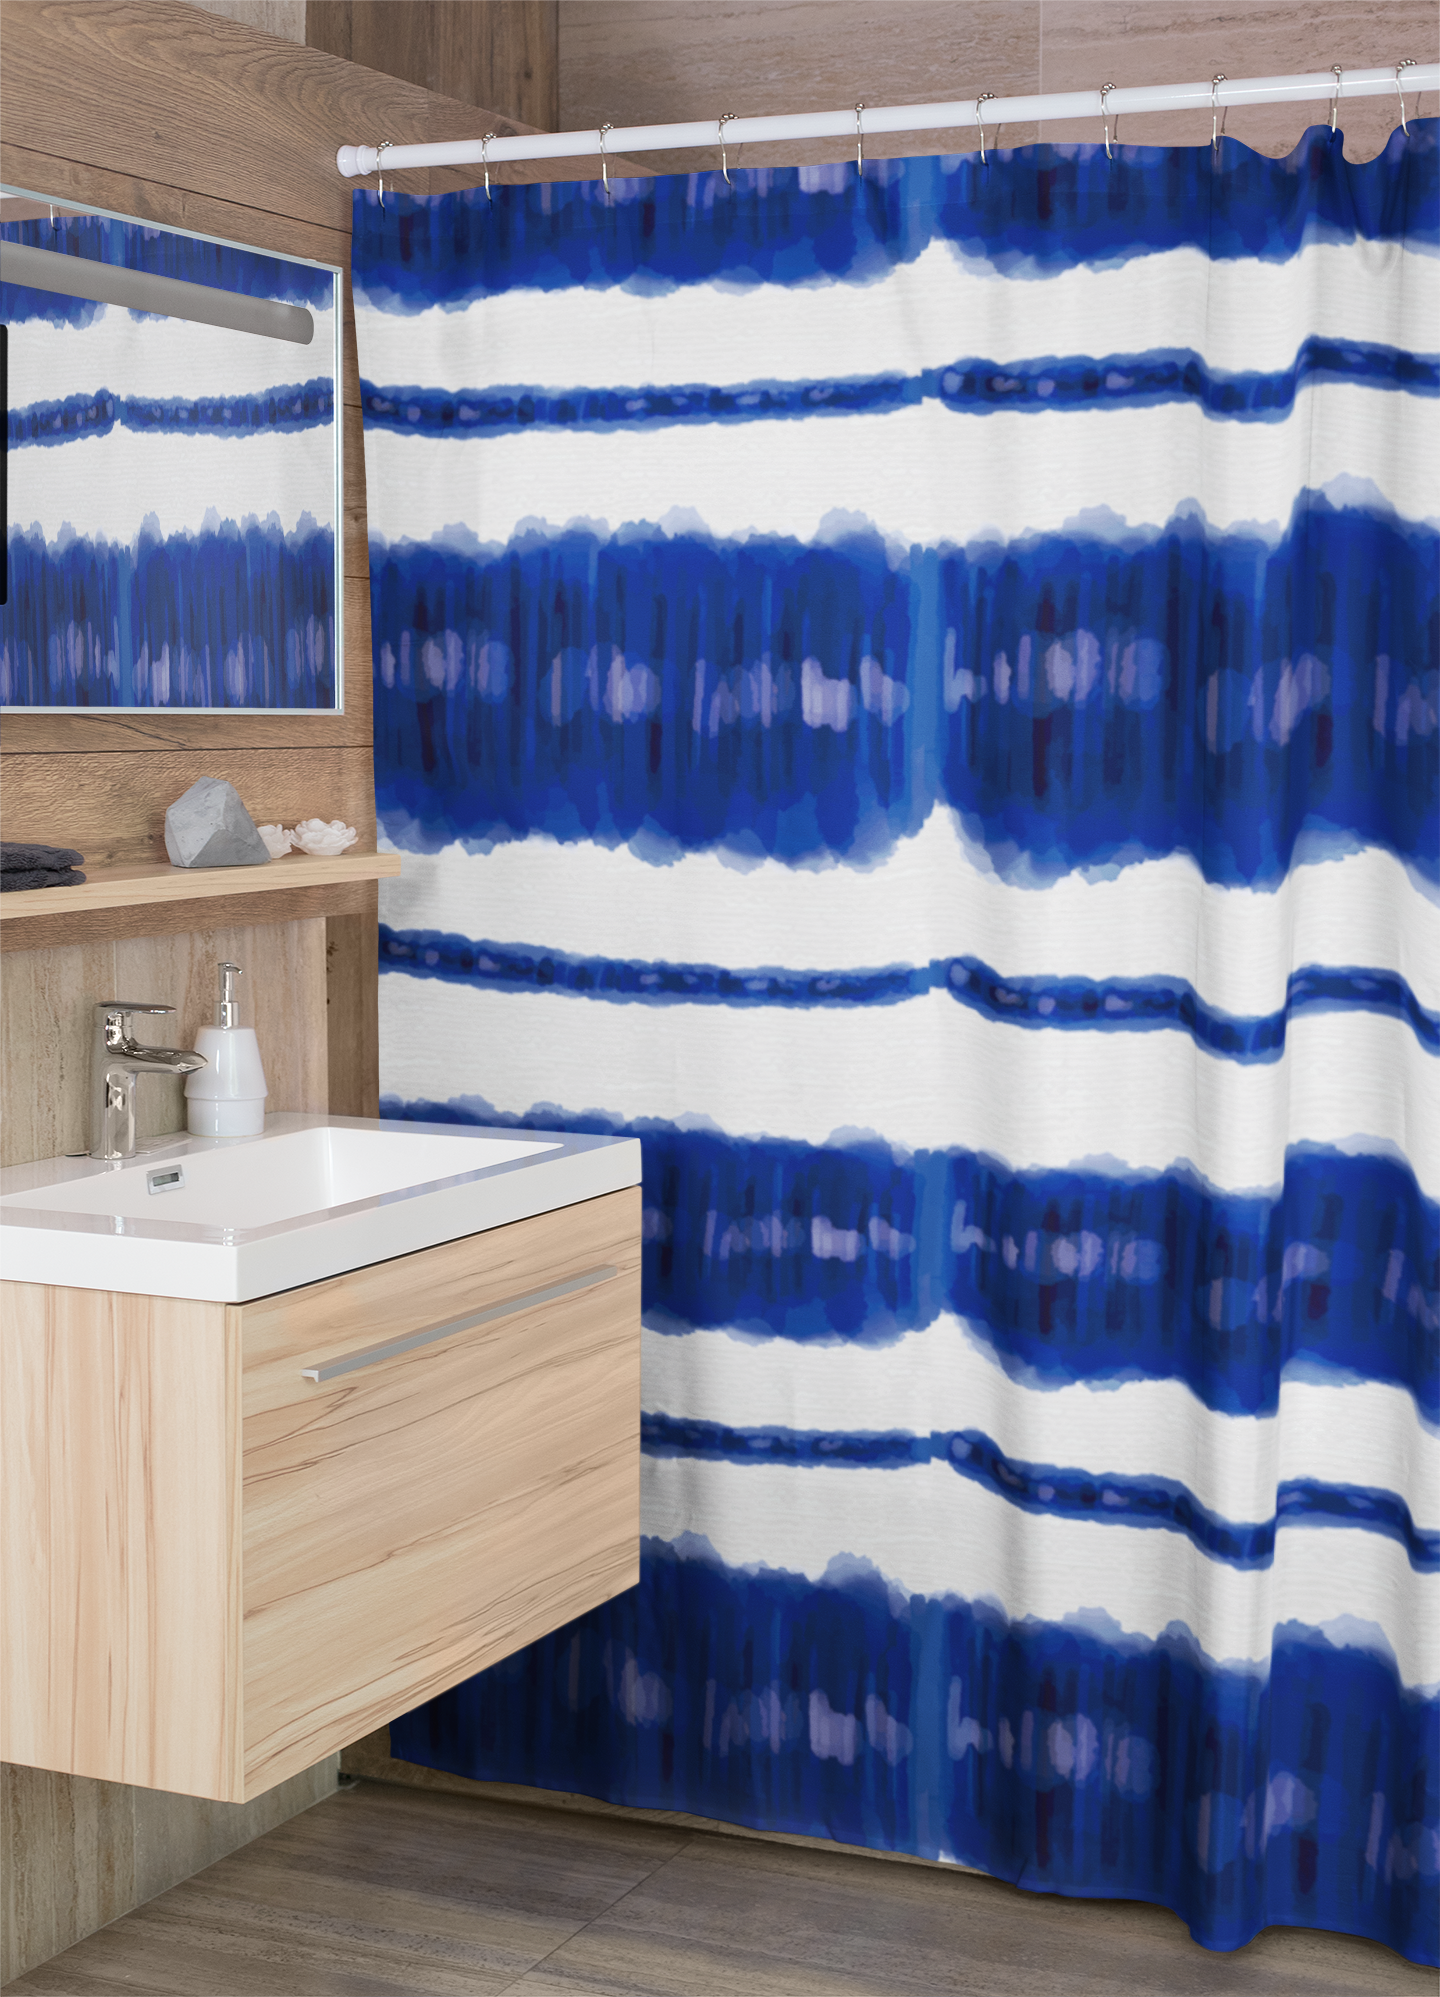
727,119
859,137
1338,73
1406,62
380,152
1217,132
485,162
1105,117
604,162
984,98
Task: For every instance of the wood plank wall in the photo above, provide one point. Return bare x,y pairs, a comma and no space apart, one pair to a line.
157,109
46,1023
640,62
501,54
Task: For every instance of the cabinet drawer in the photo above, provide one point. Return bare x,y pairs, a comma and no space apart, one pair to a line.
440,1461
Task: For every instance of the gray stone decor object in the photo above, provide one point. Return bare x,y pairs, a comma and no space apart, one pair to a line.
210,827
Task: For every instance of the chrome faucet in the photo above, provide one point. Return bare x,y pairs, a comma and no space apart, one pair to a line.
117,1064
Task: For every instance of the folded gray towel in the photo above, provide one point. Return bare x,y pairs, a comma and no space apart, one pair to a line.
25,859
12,878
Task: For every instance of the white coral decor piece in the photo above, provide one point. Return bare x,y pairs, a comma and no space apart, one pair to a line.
277,840
323,840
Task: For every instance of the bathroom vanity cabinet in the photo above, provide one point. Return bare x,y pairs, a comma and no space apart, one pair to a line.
239,1536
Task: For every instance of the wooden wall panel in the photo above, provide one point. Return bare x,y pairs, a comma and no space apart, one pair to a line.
1085,44
240,213
103,730
45,1023
285,18
652,61
162,92
640,62
116,812
353,1013
89,1829
499,53
76,1854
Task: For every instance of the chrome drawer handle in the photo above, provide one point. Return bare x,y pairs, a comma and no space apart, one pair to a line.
393,1347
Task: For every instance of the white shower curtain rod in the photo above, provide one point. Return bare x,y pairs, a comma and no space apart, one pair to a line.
873,122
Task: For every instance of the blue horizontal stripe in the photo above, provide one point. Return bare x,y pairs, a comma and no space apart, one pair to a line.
441,412
1079,700
431,953
1047,208
301,405
1118,1005
970,387
1071,1275
64,422
141,246
1064,1758
234,617
1059,1493
1130,1005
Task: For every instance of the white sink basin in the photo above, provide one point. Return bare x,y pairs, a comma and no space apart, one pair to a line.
227,1219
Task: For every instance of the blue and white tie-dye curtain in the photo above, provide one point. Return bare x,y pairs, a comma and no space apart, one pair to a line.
917,696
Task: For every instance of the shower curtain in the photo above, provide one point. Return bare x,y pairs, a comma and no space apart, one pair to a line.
915,693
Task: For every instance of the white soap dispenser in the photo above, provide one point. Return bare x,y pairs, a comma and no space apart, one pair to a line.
226,1098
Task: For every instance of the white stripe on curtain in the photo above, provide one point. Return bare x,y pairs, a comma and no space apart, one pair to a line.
1237,316
928,899
917,1525
942,1378
924,1070
926,476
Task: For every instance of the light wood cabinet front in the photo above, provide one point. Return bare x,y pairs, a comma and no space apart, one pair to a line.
423,1514
437,1458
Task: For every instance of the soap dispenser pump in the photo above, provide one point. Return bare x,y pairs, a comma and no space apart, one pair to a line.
229,1100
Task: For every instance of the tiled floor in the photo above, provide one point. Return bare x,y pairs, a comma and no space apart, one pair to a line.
388,1892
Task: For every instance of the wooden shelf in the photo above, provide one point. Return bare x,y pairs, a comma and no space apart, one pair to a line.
155,899
150,883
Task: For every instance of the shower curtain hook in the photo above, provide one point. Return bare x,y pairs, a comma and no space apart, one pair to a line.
604,162
1217,133
1338,73
380,152
859,138
727,119
1406,62
485,162
984,98
1105,117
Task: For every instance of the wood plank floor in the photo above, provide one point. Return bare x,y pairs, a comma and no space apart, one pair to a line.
388,1892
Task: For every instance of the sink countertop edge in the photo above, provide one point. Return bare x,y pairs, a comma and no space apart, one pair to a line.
211,1272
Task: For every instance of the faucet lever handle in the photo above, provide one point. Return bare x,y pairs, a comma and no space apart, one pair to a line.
113,1016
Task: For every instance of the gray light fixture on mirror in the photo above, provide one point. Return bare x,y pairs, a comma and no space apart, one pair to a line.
174,486
142,291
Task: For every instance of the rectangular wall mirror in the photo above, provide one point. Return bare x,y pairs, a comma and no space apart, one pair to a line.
173,468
